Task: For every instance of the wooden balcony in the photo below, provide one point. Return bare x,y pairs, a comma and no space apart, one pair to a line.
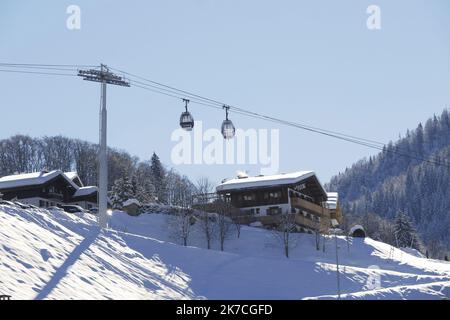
298,218
310,207
305,222
336,214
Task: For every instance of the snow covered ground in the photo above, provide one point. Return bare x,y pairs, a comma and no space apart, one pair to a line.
56,255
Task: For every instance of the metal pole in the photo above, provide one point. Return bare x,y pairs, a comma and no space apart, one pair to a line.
103,160
337,266
104,76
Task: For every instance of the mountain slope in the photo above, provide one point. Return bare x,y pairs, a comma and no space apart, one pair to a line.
411,175
55,255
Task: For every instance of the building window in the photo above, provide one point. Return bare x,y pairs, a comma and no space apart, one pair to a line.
248,197
275,195
272,195
257,210
273,211
41,203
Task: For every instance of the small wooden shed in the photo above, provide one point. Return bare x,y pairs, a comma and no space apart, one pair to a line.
131,206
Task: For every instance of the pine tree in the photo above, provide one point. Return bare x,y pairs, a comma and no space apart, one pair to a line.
144,193
122,191
409,180
158,178
419,139
405,234
143,186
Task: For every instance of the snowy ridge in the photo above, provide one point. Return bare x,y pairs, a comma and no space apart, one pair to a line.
55,255
60,256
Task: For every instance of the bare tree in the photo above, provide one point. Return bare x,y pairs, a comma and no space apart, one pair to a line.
317,238
234,215
437,250
345,226
238,226
283,232
180,189
58,153
224,226
224,221
85,158
183,218
321,226
180,224
207,221
207,225
204,187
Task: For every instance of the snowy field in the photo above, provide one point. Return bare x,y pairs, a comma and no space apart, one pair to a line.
56,255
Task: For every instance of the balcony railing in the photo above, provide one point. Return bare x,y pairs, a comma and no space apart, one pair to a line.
303,221
55,195
310,207
298,218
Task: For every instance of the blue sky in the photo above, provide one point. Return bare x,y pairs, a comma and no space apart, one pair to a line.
313,62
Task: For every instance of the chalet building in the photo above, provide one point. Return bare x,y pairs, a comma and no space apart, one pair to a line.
332,204
300,194
75,178
46,189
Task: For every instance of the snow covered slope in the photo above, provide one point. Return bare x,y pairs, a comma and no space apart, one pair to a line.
56,255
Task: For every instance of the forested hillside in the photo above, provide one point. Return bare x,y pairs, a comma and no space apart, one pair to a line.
146,180
411,175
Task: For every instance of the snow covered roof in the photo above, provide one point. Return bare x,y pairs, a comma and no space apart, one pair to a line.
130,202
332,199
32,179
356,227
85,191
260,181
334,223
73,175
332,194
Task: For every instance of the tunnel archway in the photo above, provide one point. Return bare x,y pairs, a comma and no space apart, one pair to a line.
357,231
